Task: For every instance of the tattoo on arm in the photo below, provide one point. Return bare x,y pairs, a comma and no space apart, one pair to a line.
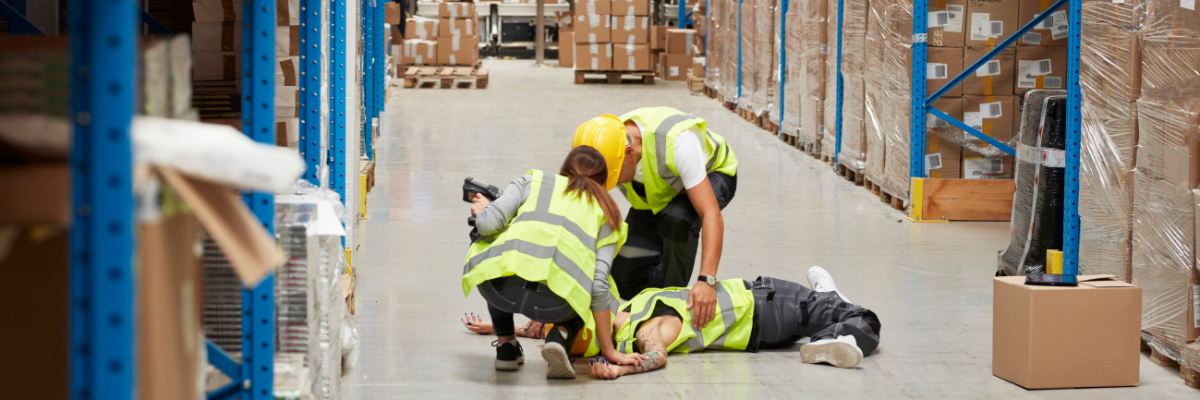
652,348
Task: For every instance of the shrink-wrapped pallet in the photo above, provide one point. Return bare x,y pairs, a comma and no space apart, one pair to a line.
730,49
854,35
875,106
757,25
826,134
794,72
815,53
713,26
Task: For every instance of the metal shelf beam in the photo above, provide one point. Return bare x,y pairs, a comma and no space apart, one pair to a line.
367,20
841,91
311,52
337,98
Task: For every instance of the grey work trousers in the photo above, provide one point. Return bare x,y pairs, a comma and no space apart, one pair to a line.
787,311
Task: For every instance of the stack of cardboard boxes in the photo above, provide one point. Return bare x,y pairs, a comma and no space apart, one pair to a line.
678,57
566,38
593,35
458,34
631,35
419,44
609,35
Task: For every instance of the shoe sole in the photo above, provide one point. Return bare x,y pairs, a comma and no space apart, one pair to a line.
838,354
558,363
510,365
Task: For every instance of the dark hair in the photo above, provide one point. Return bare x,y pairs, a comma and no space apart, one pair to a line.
587,172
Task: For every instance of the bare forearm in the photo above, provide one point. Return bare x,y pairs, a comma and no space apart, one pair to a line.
652,348
712,239
604,328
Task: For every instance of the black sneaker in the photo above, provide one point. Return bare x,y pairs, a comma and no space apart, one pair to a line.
558,360
509,355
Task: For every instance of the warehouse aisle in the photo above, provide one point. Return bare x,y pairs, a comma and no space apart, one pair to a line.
929,284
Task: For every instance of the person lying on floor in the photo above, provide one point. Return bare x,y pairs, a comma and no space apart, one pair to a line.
763,314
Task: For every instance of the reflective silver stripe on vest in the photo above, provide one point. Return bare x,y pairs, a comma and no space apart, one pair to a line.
728,315
660,148
542,213
536,251
716,151
622,346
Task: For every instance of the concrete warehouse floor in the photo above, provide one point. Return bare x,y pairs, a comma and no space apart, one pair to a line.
930,284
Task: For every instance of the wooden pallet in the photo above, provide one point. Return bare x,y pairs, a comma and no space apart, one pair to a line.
446,77
897,203
872,186
1191,377
966,199
614,77
851,174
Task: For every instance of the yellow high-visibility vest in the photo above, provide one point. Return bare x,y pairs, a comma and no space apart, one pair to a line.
661,178
729,329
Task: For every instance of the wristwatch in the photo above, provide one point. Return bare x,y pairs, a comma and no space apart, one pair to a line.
709,279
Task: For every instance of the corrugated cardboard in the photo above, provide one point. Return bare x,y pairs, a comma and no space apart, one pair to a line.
594,56
1028,58
419,52
630,29
1051,32
421,28
987,80
954,32
458,50
979,15
631,57
679,41
631,7
938,150
1111,60
1046,337
592,7
593,28
456,10
391,14
1190,322
566,48
698,67
457,27
33,195
397,35
674,66
1001,127
950,58
658,37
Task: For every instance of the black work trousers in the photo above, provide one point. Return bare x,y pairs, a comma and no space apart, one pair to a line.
661,248
512,295
787,311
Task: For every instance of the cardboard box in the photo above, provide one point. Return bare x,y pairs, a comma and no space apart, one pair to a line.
1046,337
994,78
995,116
421,28
1040,67
216,65
698,66
458,50
593,28
391,13
695,84
566,48
457,27
990,22
976,166
631,57
456,10
1111,60
631,7
592,7
679,41
942,158
658,37
630,29
942,65
953,32
1051,32
397,35
594,56
419,52
674,67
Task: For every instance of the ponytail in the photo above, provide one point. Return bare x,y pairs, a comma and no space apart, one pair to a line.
586,173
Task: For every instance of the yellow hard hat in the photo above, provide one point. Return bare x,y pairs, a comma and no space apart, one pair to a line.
607,135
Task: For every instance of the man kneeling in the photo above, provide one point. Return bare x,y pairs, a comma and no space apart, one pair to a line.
766,313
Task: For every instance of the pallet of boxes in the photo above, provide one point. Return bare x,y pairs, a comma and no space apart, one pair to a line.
612,41
443,52
677,59
217,66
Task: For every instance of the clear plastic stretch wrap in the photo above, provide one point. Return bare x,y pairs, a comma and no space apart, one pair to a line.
1170,52
1164,219
815,53
1026,234
1110,81
875,106
730,50
758,51
748,39
854,34
777,37
826,133
796,78
712,49
898,93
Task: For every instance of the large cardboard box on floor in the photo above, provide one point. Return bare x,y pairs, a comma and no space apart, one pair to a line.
631,57
1040,67
419,52
631,7
679,41
594,56
947,30
566,48
630,29
421,28
942,64
674,67
458,50
1053,31
458,27
990,22
456,10
593,28
658,37
1051,337
996,78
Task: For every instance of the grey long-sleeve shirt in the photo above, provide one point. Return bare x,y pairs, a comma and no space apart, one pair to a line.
496,216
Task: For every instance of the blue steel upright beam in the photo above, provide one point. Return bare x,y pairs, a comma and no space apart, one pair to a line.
258,122
682,14
103,231
381,47
782,62
841,90
368,73
310,89
337,97
1074,99
916,157
738,100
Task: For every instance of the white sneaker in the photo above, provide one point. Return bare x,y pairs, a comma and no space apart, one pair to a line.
820,281
842,352
558,362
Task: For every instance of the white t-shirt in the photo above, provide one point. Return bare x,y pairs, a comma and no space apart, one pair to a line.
690,156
